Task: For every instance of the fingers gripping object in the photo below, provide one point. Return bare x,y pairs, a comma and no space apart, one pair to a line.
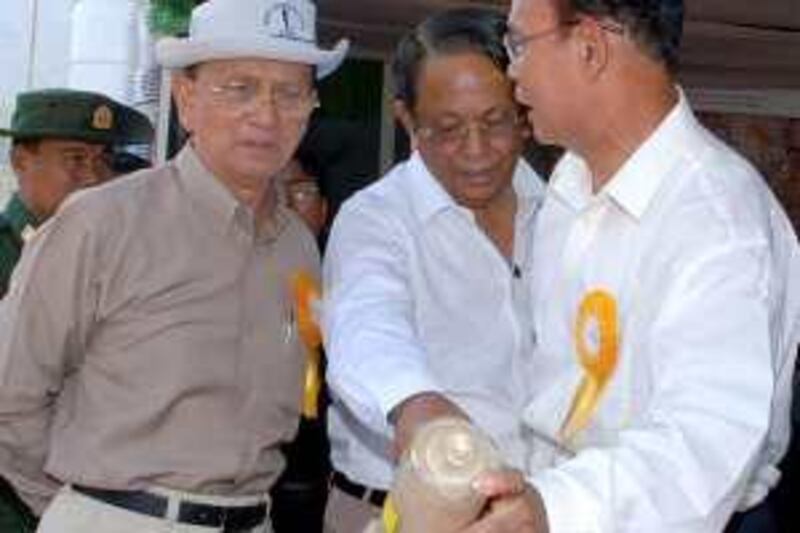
597,320
433,487
306,296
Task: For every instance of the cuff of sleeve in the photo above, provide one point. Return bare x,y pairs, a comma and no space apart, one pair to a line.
401,389
567,510
373,400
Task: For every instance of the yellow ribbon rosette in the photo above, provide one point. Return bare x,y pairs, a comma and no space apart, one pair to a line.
306,293
598,318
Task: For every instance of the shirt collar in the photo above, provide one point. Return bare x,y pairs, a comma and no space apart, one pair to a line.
431,198
19,216
204,189
207,192
530,188
640,177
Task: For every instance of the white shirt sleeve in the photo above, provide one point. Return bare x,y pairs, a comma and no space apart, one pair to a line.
787,288
375,358
684,465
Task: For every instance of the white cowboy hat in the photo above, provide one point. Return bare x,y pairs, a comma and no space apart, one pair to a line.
284,30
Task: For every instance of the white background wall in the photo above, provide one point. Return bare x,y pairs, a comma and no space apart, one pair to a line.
34,50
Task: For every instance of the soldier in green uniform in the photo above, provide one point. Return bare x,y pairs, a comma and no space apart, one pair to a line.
62,140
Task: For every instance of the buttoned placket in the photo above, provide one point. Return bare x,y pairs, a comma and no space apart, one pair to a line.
513,275
241,228
581,254
523,323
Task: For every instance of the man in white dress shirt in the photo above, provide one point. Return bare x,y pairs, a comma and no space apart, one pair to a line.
665,289
425,313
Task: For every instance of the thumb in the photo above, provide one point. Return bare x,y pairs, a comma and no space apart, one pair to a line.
500,483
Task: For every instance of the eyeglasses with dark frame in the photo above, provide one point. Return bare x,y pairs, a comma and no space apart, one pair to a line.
499,127
516,43
290,101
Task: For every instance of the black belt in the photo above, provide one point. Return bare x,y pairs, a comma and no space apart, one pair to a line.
230,519
374,496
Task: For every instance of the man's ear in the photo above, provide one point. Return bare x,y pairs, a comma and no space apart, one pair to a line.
593,48
403,115
183,95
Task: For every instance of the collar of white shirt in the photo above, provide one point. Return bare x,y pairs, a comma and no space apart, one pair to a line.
640,177
433,199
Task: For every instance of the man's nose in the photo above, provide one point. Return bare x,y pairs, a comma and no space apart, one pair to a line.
475,140
264,108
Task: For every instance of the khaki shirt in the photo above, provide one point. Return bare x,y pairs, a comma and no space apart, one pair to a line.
148,339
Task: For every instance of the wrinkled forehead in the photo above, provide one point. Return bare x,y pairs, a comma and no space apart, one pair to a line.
535,13
468,83
256,68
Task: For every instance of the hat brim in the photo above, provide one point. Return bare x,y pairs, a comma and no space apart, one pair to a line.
172,52
27,135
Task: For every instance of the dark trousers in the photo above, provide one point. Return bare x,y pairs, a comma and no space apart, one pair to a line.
300,495
759,519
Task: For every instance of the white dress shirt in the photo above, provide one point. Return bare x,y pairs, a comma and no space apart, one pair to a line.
417,298
705,270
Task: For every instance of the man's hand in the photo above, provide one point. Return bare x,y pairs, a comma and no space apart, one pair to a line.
514,506
417,411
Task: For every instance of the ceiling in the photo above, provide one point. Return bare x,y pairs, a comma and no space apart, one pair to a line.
727,44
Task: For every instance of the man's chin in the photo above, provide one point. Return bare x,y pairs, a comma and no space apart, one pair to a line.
260,167
476,201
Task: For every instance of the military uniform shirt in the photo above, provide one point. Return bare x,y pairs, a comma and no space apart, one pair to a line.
148,339
13,223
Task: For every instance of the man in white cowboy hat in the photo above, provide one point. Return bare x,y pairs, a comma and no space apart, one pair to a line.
158,378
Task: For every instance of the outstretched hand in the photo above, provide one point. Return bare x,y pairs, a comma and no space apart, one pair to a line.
514,506
415,412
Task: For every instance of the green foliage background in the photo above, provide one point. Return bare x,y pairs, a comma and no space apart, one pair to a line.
170,17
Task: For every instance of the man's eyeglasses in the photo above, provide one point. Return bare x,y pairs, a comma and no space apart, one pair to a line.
299,192
497,127
516,43
288,100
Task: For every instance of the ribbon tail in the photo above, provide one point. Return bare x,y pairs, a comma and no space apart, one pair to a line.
390,517
584,404
312,385
307,301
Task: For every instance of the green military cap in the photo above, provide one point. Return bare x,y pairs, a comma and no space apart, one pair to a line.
78,115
